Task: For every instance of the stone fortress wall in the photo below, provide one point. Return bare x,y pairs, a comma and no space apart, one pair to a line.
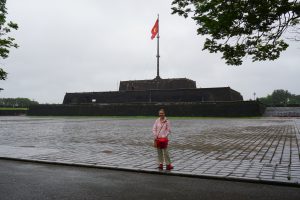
204,109
156,90
180,97
143,96
158,84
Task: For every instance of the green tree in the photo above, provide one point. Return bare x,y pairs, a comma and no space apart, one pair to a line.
17,102
6,42
294,99
266,100
280,97
239,28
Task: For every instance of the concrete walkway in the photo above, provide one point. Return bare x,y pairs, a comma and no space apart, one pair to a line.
265,149
31,181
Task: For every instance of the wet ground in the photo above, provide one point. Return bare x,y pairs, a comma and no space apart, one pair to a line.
257,148
31,181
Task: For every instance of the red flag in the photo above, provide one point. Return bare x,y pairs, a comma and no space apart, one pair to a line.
154,30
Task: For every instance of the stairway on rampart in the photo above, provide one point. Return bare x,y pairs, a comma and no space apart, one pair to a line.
282,112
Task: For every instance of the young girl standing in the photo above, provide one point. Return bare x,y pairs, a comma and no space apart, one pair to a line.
161,130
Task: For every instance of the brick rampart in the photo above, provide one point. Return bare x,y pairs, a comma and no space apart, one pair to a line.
154,96
205,109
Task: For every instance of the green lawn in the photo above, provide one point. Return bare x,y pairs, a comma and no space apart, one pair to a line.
13,108
150,117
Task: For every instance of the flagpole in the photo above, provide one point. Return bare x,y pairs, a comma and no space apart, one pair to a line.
158,56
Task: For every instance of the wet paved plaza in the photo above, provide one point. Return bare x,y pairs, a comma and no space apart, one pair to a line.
258,148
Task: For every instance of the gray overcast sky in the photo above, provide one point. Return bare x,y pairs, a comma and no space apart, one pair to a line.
90,45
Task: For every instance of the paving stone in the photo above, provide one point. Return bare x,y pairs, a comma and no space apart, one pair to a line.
265,148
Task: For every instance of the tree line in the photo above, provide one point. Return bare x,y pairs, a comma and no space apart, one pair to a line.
280,97
17,102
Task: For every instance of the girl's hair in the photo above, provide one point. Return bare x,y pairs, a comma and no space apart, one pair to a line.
163,110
